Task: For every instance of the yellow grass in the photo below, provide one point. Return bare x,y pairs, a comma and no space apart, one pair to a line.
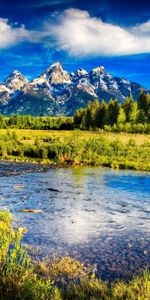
31,135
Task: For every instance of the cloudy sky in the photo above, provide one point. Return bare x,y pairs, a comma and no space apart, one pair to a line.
79,33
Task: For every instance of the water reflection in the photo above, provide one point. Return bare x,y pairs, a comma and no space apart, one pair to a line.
100,215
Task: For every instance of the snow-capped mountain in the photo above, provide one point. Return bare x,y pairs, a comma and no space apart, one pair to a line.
4,94
58,92
15,81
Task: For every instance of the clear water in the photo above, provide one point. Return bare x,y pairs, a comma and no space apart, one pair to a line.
100,216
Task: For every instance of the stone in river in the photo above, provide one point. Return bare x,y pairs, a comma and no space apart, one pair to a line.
31,210
19,186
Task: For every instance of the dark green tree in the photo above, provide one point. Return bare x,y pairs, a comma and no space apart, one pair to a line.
112,112
127,106
100,117
144,107
78,116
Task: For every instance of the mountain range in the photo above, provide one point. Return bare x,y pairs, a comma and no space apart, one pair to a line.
58,92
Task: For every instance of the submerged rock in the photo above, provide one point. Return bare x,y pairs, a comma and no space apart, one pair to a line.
31,210
54,190
19,186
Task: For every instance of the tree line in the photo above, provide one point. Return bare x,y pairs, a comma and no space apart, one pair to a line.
38,123
128,116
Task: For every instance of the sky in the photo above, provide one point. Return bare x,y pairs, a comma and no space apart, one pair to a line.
79,33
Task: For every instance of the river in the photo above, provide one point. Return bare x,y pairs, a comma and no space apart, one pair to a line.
98,215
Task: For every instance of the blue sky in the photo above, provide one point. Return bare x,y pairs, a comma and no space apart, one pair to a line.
85,33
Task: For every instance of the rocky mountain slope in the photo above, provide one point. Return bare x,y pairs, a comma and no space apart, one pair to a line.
57,92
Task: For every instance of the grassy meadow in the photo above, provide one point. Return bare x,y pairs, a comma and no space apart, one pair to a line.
115,150
30,135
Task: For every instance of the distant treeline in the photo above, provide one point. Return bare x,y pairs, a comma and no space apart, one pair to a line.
40,123
129,116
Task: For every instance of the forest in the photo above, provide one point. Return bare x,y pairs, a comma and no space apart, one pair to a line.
129,116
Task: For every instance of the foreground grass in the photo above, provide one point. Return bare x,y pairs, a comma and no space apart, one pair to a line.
62,279
116,150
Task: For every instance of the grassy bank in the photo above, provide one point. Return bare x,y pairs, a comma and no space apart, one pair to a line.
115,150
62,279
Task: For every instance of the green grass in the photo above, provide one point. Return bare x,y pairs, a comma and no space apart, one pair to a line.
61,279
115,150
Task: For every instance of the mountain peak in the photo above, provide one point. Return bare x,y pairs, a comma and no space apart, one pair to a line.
81,72
55,74
15,80
100,69
15,72
55,66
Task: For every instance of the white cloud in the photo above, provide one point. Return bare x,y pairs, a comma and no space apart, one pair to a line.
142,29
81,35
12,34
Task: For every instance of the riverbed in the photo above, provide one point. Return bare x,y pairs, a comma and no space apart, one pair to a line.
98,215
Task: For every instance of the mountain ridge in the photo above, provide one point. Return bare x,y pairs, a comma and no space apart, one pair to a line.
58,92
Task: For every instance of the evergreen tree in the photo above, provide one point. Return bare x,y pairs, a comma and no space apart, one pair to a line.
112,112
78,117
144,107
127,106
121,119
133,114
88,120
94,108
101,115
